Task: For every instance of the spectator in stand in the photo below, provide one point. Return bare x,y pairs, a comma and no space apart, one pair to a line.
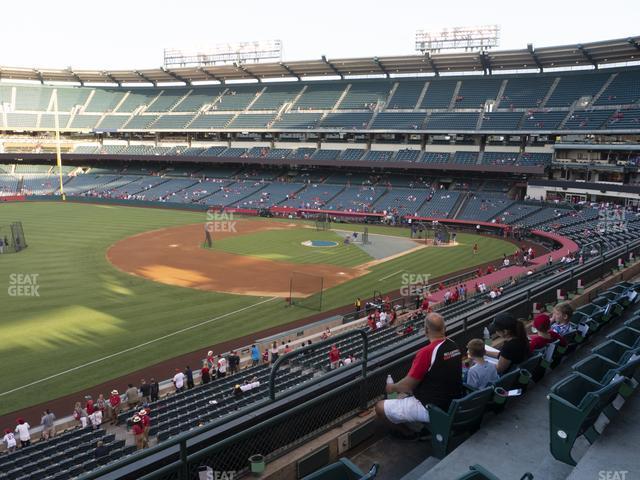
101,450
101,404
211,361
255,355
265,356
89,404
424,306
96,418
155,389
334,357
371,322
189,374
435,378
9,440
561,317
287,349
178,380
274,352
222,366
48,427
327,332
138,432
482,373
132,396
145,391
204,374
544,334
146,423
80,414
234,362
22,429
115,406
515,348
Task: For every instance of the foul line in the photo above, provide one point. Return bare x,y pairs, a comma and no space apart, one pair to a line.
390,275
177,332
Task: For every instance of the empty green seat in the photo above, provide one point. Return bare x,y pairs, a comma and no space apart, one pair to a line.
594,312
575,403
615,351
478,472
597,368
532,366
344,469
633,322
610,304
464,416
627,336
508,381
621,294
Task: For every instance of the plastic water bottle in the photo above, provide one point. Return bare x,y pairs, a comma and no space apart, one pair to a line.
392,395
487,336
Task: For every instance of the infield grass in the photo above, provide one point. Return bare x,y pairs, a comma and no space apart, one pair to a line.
87,310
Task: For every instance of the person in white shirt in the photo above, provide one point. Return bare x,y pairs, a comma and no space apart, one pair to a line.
222,366
96,418
383,318
22,429
9,440
178,380
506,262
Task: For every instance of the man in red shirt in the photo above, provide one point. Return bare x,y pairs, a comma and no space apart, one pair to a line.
114,406
544,335
146,423
89,406
435,378
138,432
334,357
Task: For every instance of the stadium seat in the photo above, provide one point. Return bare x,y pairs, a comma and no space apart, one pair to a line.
630,337
464,416
478,472
344,469
575,403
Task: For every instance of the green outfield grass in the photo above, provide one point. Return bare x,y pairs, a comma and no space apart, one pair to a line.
88,310
286,246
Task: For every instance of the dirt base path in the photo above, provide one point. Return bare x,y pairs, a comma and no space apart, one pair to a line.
174,256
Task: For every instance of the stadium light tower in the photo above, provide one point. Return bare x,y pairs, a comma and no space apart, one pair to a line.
227,53
481,38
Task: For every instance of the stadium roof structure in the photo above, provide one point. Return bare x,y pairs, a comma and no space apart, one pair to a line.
592,54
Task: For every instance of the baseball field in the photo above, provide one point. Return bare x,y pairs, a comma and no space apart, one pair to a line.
103,290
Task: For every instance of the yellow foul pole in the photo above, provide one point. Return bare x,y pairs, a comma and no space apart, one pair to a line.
58,154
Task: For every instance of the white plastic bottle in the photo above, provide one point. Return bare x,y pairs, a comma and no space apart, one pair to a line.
487,336
392,395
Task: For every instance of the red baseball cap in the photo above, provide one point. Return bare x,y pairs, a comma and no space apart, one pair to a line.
541,322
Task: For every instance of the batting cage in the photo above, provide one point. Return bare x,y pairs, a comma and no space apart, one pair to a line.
433,233
12,238
323,222
305,290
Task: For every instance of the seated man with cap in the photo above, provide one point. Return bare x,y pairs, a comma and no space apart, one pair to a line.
435,378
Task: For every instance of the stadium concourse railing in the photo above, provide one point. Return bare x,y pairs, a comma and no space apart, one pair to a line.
281,423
